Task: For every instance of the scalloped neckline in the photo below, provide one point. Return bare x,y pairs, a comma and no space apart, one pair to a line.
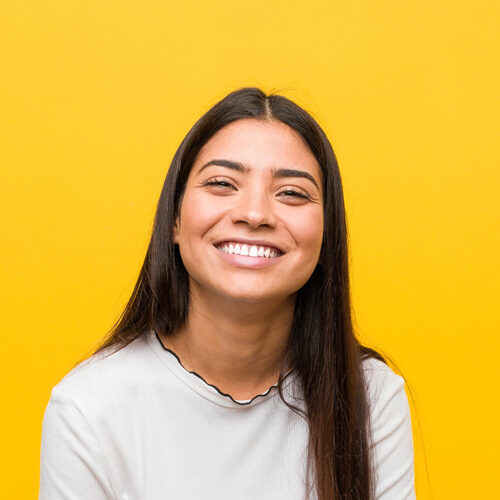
196,382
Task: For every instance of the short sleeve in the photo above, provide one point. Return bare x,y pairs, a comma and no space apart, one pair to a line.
72,465
392,452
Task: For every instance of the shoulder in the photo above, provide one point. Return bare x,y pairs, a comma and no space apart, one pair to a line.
88,409
379,375
101,376
384,386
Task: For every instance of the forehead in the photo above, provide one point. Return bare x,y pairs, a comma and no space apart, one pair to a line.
260,145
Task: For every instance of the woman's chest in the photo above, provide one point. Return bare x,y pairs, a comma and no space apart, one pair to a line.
185,453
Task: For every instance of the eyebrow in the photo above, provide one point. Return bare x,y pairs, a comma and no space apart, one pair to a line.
278,173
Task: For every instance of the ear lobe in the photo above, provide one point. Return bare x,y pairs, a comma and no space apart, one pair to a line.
320,258
175,237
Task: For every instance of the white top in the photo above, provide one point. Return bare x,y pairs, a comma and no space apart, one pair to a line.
136,425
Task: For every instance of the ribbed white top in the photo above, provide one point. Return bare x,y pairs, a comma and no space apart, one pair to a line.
136,425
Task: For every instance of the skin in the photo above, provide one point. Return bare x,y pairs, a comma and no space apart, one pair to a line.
239,318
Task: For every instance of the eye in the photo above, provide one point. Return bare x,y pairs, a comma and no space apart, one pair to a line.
218,181
295,193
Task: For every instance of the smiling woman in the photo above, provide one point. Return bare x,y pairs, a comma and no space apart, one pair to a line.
234,371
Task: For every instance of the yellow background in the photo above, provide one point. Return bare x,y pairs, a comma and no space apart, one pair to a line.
97,95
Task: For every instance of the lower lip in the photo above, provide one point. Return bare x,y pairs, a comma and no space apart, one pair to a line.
248,262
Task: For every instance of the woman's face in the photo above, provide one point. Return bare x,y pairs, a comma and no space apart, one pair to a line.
270,197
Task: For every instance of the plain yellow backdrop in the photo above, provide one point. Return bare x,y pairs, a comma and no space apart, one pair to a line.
96,97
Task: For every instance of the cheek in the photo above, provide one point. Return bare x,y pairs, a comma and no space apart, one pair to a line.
198,214
307,230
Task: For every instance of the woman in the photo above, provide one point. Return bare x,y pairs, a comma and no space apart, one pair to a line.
234,371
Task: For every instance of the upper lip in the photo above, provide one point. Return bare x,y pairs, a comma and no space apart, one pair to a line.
246,241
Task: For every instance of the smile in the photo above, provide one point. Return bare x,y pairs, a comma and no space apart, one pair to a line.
235,248
248,256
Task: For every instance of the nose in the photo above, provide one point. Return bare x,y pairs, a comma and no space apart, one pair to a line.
254,207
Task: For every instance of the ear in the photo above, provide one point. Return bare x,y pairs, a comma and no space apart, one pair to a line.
175,237
320,258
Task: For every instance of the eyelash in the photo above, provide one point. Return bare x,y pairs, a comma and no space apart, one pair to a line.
215,182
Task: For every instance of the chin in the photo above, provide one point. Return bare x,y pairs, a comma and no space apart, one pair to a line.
254,295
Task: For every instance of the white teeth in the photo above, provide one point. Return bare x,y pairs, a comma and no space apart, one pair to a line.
248,250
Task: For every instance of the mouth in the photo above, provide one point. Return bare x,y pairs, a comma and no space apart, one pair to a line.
257,250
249,257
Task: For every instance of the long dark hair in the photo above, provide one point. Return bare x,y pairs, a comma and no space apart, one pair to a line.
322,346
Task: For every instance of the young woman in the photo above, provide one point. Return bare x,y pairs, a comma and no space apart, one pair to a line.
234,371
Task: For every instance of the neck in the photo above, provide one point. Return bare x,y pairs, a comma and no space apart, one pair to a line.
236,346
